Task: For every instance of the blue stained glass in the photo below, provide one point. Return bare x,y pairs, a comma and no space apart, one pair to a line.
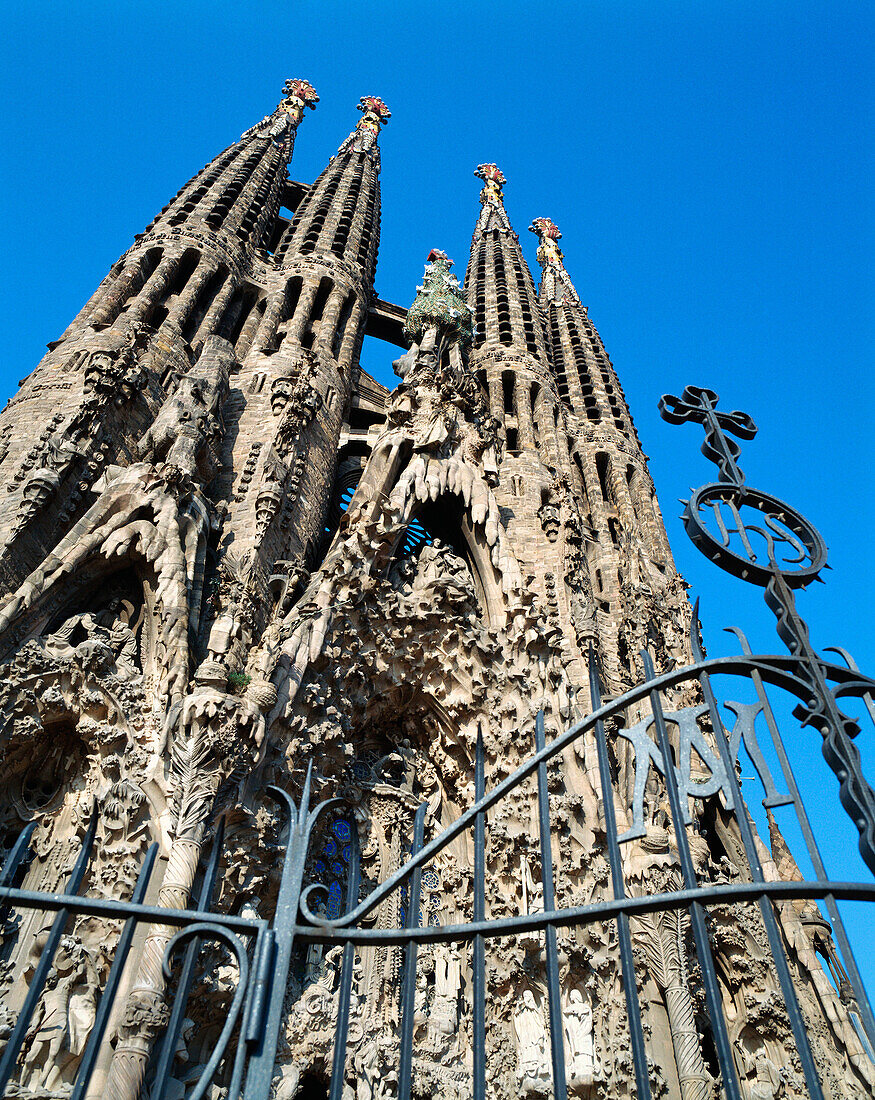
346,852
319,867
337,867
434,920
402,915
341,829
335,895
360,770
330,849
430,880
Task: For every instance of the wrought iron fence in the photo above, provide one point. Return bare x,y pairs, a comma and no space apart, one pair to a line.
662,742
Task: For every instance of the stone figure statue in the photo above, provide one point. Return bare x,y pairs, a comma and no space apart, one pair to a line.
533,1057
63,1019
109,629
580,1050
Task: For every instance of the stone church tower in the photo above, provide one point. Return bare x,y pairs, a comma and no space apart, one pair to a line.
228,553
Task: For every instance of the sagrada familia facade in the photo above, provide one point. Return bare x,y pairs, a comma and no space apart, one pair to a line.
227,552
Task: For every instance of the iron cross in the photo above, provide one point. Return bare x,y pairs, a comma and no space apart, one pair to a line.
699,405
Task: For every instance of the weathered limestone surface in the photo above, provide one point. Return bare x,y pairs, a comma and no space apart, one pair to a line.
226,551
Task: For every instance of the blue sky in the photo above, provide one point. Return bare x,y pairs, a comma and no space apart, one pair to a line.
707,163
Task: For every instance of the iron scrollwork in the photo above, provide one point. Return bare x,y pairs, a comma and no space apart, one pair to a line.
795,555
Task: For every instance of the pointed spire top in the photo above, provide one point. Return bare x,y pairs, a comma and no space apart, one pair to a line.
299,94
494,179
363,139
493,214
556,286
281,125
439,303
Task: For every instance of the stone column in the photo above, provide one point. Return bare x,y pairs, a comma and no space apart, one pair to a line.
182,308
522,401
117,293
154,289
213,317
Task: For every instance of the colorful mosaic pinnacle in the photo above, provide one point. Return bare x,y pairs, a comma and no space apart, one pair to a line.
299,95
439,302
302,90
549,234
375,111
545,227
494,179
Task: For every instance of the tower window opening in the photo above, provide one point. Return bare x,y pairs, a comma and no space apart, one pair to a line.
526,292
602,467
507,384
235,317
319,215
223,207
341,234
293,293
512,440
184,271
204,300
505,330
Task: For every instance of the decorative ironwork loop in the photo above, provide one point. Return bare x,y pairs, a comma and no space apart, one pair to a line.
784,541
208,930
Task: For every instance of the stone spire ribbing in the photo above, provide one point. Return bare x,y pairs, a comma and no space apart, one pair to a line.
584,374
339,218
225,209
499,285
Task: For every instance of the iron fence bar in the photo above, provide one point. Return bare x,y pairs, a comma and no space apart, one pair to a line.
408,981
718,894
112,909
725,1057
344,993
186,974
253,1010
554,1003
811,844
776,945
107,998
852,665
47,956
822,711
502,926
774,667
624,935
261,1060
478,948
16,853
205,929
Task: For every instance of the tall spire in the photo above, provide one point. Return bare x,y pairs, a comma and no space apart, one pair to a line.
584,374
304,337
340,215
498,283
556,285
224,210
